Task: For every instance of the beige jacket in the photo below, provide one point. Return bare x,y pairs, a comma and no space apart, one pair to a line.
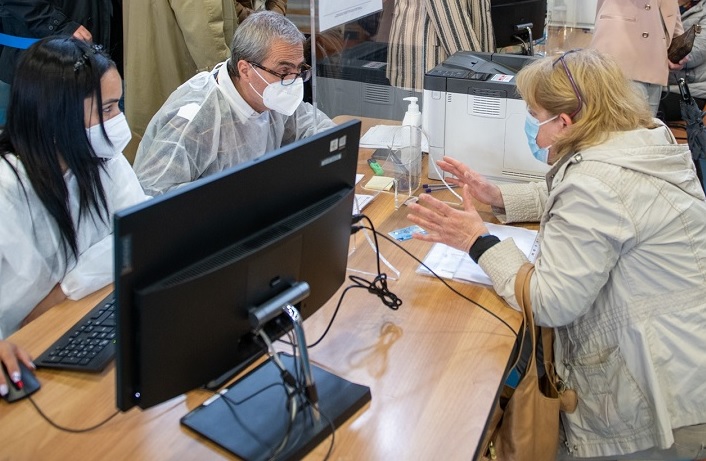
166,43
621,276
637,34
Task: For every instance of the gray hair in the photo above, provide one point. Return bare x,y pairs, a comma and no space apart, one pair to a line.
255,35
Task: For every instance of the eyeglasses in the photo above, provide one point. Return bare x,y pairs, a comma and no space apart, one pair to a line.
572,81
290,77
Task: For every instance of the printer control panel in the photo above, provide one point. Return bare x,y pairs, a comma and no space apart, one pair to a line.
441,71
479,76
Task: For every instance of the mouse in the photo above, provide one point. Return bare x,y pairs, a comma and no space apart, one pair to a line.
30,384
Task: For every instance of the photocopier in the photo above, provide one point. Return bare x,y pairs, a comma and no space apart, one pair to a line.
472,112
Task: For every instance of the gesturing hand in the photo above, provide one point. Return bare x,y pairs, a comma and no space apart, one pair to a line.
481,189
453,227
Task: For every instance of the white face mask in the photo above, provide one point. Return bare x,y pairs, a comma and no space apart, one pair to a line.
281,98
118,133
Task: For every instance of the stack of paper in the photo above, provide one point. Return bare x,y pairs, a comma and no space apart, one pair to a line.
386,136
455,264
361,201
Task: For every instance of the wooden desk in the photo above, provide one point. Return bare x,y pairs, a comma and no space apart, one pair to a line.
434,367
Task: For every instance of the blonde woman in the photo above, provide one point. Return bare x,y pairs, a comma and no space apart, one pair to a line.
621,275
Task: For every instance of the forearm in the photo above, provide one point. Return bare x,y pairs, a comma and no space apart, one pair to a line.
55,296
521,202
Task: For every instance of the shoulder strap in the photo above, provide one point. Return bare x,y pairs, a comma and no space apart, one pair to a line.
522,292
523,299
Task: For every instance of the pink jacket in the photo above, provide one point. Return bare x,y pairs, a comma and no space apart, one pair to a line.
637,33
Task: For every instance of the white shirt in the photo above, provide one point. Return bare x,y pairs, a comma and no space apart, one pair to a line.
32,257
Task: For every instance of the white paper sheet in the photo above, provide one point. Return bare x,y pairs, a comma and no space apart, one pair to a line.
455,264
383,136
336,12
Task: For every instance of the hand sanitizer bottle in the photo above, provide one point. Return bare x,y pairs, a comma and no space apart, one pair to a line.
411,148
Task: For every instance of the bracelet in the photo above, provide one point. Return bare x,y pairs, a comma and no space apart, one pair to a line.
481,245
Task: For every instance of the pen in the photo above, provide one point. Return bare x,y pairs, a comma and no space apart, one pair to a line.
428,188
435,186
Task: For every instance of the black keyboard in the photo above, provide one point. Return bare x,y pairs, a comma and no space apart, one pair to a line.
89,345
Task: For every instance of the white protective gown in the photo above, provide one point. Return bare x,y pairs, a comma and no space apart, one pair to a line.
206,127
32,259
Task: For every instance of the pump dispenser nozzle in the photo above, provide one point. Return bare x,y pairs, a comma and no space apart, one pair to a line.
413,106
412,117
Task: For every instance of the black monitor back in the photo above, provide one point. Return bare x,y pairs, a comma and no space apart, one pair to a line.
508,14
159,239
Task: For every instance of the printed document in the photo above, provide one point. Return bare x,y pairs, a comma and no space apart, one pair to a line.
451,263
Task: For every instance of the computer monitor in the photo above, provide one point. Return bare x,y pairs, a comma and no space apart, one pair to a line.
512,17
192,264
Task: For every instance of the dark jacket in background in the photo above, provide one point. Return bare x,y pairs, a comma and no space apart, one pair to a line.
43,18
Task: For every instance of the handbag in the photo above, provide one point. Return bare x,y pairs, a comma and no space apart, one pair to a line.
681,45
527,428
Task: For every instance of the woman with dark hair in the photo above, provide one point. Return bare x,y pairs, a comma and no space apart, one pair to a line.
62,175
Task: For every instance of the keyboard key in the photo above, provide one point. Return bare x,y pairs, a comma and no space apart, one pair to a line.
89,344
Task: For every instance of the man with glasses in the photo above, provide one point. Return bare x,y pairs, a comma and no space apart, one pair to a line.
248,105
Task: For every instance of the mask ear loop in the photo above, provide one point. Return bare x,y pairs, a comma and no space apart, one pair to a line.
263,79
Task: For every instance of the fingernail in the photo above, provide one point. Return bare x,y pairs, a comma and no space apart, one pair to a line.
31,364
3,389
16,376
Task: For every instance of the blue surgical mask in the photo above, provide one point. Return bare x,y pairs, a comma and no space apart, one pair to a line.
531,129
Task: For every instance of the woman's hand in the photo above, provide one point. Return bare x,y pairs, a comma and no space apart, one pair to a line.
455,228
678,65
481,189
9,355
55,296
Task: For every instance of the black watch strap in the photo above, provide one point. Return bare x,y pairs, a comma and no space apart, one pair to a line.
481,245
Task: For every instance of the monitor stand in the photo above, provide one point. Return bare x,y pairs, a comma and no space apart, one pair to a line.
251,418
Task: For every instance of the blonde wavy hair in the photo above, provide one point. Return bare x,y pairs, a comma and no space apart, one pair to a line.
610,102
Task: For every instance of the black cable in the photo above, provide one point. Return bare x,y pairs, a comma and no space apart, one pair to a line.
231,404
444,281
69,429
377,287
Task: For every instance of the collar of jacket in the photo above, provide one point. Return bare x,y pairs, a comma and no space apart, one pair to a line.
556,173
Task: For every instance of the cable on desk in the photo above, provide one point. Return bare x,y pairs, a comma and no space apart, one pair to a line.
70,429
295,389
444,281
378,286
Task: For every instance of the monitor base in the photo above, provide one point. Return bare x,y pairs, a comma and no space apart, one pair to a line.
250,418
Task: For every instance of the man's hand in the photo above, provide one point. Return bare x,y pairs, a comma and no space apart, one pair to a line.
83,34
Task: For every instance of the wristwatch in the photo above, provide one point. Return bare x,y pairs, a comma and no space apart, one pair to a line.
481,245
